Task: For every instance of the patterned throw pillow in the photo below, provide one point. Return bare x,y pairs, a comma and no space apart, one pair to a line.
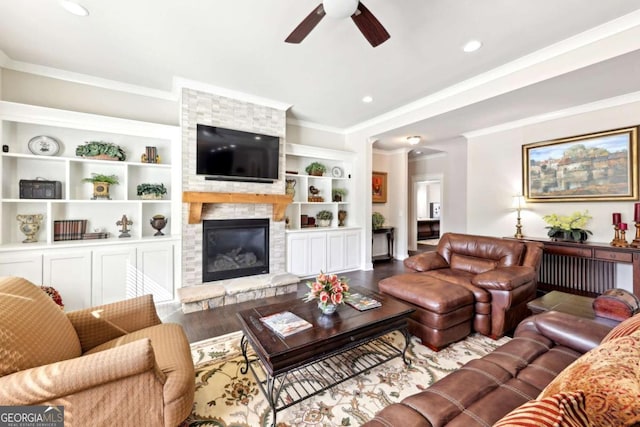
625,328
609,377
559,410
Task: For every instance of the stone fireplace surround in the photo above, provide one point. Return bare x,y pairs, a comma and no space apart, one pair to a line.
199,107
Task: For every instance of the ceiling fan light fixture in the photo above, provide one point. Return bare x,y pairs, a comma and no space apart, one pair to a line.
413,140
472,46
74,8
340,8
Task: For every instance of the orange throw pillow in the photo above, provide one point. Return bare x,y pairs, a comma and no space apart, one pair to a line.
559,410
625,328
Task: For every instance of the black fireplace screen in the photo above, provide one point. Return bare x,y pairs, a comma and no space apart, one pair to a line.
234,248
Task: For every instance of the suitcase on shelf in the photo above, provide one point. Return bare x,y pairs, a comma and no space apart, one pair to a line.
40,189
616,304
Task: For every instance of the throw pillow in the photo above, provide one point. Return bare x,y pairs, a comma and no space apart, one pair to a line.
33,329
625,328
609,377
559,410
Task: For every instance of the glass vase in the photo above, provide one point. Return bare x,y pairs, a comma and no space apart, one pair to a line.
327,308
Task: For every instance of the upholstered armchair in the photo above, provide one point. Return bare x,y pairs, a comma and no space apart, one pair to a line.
115,364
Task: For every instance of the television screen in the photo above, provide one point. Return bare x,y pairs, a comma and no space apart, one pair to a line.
228,154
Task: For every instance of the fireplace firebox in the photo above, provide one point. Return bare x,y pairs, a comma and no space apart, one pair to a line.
234,248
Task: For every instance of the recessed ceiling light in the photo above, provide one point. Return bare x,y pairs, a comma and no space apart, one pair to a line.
413,140
367,99
75,8
472,46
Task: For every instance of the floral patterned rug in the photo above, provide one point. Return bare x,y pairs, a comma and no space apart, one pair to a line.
227,398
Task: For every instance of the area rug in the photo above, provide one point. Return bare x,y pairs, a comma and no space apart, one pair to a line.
227,398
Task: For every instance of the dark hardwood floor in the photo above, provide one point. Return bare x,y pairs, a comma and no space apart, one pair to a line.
219,321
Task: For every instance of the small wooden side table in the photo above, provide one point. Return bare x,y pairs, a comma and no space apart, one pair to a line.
568,303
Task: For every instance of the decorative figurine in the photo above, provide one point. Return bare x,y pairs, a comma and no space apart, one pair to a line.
158,222
29,225
124,222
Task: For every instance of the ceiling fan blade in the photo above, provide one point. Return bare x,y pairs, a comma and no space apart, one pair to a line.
305,27
369,26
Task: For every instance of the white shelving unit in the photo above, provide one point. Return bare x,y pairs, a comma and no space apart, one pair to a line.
19,123
311,249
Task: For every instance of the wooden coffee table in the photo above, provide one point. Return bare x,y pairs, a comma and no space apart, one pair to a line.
338,347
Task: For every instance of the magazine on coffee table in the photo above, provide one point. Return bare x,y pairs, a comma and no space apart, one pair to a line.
285,323
362,302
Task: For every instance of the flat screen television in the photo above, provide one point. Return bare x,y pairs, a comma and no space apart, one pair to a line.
233,155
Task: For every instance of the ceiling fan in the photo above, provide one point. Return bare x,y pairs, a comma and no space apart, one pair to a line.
368,25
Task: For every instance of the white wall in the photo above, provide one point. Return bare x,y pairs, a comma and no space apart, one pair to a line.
297,134
495,175
34,89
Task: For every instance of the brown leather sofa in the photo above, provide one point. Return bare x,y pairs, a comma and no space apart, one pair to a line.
469,283
111,365
484,390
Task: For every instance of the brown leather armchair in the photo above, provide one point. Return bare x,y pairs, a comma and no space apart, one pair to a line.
115,364
469,283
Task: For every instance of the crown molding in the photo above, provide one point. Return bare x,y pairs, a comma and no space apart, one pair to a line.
539,57
180,83
317,126
567,112
85,79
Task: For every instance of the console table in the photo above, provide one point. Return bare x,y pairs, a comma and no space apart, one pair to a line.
389,232
584,268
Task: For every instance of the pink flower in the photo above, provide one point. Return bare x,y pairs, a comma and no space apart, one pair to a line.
336,298
324,297
316,287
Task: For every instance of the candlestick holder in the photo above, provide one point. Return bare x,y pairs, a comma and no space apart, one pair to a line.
636,241
619,239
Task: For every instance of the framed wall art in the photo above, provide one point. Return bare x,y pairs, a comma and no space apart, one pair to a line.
379,187
600,166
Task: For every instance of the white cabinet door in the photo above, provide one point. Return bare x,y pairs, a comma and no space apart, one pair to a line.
155,270
27,265
297,254
114,274
70,273
317,259
352,249
335,251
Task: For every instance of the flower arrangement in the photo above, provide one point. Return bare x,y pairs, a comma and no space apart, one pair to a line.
571,227
329,290
54,294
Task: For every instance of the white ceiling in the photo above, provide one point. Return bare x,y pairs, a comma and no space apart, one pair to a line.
239,45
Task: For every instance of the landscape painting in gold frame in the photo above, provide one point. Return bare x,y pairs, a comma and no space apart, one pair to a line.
379,187
600,166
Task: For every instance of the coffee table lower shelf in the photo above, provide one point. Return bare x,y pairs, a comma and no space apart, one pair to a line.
291,387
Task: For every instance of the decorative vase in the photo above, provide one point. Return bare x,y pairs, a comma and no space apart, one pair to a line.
290,189
29,225
342,215
324,222
158,222
327,308
567,236
101,191
151,196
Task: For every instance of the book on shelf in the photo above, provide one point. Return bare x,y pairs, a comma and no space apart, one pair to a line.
69,229
285,323
362,302
97,235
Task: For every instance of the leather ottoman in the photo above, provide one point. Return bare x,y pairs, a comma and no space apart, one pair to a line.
444,311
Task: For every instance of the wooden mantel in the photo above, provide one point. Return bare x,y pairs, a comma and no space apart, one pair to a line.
197,198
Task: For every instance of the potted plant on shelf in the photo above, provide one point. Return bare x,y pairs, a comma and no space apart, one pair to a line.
151,191
377,220
101,150
101,185
338,194
324,218
571,227
315,169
